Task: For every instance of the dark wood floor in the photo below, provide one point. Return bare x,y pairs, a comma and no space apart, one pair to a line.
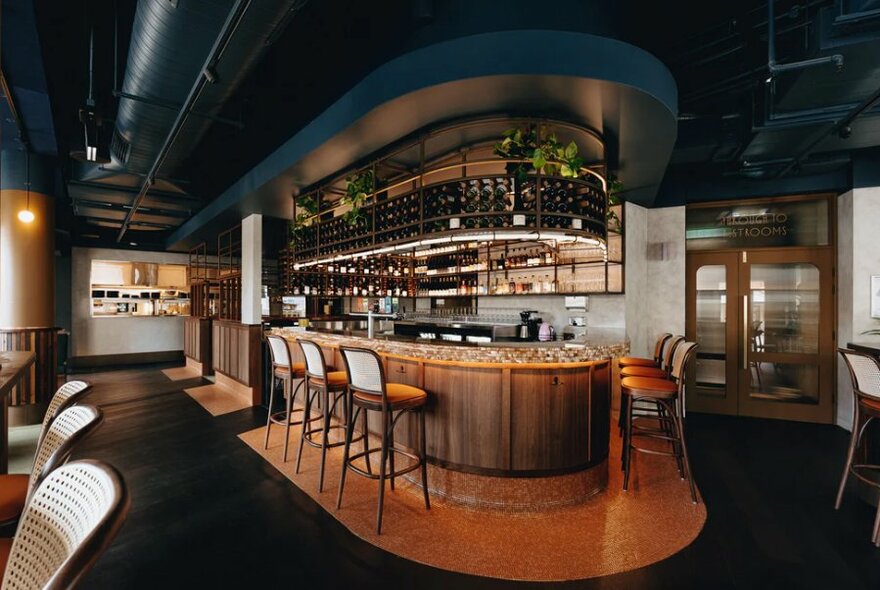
209,513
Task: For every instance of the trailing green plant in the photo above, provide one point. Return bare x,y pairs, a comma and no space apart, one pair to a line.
306,209
614,188
358,187
547,156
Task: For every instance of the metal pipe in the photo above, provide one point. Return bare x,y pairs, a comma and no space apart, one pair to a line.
838,127
236,14
165,104
774,68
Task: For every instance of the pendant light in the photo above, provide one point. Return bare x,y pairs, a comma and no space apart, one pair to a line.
26,215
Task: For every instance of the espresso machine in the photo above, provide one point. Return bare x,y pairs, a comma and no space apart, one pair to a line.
528,329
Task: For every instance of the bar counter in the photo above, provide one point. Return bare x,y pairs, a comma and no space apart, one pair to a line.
501,409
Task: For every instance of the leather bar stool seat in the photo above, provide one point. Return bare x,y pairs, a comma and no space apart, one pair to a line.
298,368
335,379
396,393
650,387
654,372
634,361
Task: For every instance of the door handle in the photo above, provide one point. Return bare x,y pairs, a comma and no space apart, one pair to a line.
401,370
745,349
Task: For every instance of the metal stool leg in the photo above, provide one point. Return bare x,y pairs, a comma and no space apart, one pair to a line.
853,443
423,456
271,405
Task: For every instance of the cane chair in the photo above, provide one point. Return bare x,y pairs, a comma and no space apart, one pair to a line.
72,517
64,397
331,387
668,394
285,371
65,432
370,392
632,361
864,370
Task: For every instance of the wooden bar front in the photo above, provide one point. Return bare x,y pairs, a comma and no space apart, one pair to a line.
504,419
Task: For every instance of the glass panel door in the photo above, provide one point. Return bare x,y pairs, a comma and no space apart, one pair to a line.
788,322
711,309
764,322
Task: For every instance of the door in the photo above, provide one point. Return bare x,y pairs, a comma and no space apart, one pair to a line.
764,320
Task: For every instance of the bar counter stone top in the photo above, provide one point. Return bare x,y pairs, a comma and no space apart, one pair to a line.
598,344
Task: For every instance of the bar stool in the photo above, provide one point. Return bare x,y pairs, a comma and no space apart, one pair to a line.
633,361
669,395
369,391
660,371
331,387
864,370
285,371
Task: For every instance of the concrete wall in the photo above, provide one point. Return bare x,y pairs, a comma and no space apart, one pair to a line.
102,336
858,257
655,275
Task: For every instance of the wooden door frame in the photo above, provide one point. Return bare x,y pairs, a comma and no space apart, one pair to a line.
831,307
729,404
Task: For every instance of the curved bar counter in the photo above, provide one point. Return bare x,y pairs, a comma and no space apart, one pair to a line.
502,413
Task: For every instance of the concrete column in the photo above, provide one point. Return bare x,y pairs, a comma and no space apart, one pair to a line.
251,268
27,250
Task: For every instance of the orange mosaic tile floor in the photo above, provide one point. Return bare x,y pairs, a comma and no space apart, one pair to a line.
612,532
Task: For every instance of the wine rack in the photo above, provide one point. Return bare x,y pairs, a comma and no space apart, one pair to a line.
447,196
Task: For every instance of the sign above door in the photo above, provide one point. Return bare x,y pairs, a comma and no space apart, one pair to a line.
786,222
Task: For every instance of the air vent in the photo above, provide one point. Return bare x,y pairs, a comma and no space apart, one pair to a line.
119,148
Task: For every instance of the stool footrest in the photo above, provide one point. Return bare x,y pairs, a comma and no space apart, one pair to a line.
308,434
281,417
397,473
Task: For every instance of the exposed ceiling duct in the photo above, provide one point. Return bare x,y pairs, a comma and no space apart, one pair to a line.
169,43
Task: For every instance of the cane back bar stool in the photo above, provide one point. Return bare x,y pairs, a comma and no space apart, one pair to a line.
669,395
285,371
660,371
66,431
71,519
864,370
633,361
331,387
370,392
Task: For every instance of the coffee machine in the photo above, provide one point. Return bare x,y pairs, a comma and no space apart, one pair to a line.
528,329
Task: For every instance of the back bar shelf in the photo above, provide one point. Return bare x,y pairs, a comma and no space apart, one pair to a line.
449,188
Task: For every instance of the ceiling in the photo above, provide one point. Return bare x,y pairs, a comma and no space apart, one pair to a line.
288,62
